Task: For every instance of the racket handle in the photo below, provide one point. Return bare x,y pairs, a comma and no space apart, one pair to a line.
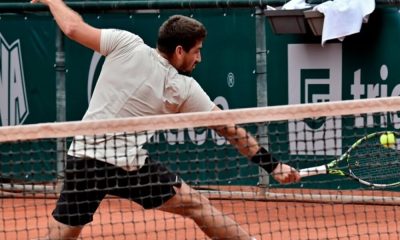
306,172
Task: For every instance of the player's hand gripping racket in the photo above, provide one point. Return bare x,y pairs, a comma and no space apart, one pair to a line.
372,160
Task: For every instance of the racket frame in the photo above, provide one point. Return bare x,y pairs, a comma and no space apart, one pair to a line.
331,167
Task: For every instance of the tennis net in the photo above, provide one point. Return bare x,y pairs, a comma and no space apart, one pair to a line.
33,159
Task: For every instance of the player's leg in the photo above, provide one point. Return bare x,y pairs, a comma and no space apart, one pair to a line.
190,203
81,195
59,230
154,186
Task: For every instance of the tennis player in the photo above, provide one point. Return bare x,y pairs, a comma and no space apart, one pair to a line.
137,80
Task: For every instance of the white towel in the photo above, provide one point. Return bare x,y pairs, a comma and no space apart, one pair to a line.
295,4
344,17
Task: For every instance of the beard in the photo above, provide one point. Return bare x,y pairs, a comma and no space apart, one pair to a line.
188,70
185,73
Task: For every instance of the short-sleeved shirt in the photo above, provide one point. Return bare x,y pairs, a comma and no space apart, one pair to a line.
135,80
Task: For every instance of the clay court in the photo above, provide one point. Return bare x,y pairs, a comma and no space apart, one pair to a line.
26,218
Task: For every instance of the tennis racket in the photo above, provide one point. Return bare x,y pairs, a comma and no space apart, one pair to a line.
367,161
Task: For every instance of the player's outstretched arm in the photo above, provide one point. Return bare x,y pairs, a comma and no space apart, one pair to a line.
72,24
248,146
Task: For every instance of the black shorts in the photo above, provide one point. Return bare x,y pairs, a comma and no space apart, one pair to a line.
87,181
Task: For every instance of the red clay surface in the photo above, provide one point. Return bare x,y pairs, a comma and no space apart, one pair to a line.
24,218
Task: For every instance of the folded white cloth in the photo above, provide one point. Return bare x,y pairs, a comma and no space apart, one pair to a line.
296,4
344,17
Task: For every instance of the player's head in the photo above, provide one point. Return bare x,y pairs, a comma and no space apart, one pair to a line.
180,39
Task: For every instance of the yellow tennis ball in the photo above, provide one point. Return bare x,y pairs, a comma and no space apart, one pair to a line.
388,139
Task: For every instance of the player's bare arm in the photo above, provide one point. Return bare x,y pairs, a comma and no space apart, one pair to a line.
248,146
72,24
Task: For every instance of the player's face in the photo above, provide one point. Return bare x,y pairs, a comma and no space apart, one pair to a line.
191,58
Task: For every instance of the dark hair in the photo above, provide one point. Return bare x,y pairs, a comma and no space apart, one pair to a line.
179,30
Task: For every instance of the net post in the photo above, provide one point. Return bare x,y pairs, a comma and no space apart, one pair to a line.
60,99
261,78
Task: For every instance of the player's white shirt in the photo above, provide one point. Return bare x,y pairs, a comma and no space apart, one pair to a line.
134,81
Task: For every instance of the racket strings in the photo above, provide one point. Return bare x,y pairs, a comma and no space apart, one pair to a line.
374,163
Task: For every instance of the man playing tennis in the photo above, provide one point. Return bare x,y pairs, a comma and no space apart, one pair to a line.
137,80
